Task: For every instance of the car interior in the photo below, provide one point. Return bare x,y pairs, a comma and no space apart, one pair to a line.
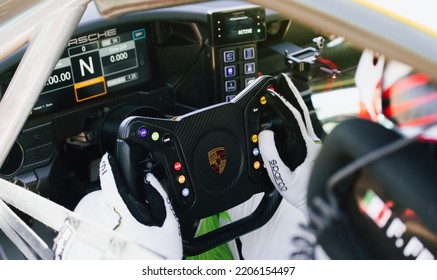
171,89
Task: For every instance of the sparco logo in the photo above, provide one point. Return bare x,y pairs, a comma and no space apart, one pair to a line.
92,37
279,182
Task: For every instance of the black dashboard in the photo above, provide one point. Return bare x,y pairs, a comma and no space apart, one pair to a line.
165,61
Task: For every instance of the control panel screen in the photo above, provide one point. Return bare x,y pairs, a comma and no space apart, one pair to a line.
238,26
95,65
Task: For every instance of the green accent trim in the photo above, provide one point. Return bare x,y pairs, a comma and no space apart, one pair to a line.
208,224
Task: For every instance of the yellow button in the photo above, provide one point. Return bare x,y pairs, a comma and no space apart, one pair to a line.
256,164
254,138
181,179
263,100
155,136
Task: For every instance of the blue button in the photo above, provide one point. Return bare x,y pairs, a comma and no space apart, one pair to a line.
142,132
255,152
230,71
185,192
249,53
249,68
229,56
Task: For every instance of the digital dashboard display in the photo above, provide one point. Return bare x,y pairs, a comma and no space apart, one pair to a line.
238,26
94,65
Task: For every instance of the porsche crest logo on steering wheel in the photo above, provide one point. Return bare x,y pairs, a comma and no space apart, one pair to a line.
217,159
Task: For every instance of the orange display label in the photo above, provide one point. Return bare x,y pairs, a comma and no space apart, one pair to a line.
90,89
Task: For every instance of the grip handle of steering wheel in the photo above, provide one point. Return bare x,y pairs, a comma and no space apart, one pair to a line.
127,161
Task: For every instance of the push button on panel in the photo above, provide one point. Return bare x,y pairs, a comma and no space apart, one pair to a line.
143,132
230,71
254,138
263,100
247,81
249,68
182,179
249,53
186,192
229,56
229,97
231,86
166,139
177,166
155,136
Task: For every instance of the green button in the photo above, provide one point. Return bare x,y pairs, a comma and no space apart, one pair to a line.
155,136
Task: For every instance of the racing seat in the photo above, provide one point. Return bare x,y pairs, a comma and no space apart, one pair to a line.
373,195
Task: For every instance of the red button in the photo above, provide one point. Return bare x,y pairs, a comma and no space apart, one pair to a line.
177,166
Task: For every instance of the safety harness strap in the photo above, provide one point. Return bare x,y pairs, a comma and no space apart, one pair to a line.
69,224
21,235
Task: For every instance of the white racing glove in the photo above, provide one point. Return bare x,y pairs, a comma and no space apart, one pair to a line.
289,151
151,223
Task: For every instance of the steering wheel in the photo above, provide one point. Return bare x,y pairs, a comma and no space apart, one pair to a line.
209,161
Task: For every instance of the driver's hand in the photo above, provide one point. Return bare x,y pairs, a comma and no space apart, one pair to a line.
150,223
289,149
